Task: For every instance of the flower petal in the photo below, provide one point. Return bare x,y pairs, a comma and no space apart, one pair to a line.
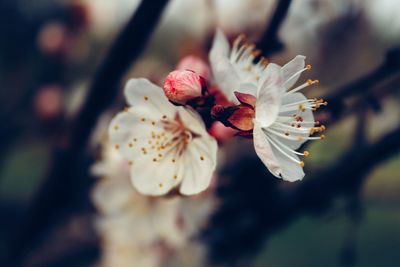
291,68
142,93
200,161
264,151
290,171
224,72
156,177
269,96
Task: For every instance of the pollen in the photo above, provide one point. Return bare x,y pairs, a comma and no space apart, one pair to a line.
146,98
160,185
164,116
130,145
160,155
175,177
201,158
117,146
173,160
153,123
116,127
154,159
143,119
264,61
130,162
301,164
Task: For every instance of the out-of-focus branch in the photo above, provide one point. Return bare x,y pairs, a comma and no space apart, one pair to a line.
66,184
362,87
269,41
255,205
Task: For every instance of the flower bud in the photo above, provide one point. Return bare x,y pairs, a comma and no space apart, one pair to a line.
182,86
195,64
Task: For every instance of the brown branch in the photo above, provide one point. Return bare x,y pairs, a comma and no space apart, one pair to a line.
270,42
66,186
362,87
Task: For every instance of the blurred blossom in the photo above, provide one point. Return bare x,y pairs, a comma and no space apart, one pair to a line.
166,146
48,102
136,230
238,16
106,17
195,64
384,18
183,86
53,38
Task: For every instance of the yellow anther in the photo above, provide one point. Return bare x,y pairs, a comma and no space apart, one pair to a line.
308,67
312,131
173,160
160,185
154,159
175,177
164,116
301,164
117,146
130,145
322,136
130,162
201,158
146,98
309,82
143,119
116,127
306,153
126,109
264,61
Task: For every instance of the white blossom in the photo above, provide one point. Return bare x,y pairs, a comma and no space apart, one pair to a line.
166,146
283,118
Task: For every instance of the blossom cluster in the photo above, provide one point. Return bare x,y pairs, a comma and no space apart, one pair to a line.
168,135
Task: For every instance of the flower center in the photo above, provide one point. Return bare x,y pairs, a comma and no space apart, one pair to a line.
172,140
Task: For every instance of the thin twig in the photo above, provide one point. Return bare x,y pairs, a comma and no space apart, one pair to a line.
270,41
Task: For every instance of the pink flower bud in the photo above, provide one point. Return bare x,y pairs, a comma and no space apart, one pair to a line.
195,64
181,86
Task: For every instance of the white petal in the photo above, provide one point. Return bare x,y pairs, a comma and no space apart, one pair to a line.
192,120
223,71
291,68
200,163
290,171
142,93
129,131
264,151
269,96
156,178
276,162
248,88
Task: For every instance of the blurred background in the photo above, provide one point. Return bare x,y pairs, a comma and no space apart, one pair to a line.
346,212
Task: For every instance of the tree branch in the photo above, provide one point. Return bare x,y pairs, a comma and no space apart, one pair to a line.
270,42
66,186
255,205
